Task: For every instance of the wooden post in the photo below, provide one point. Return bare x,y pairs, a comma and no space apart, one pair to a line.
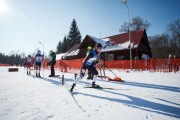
75,75
104,68
62,79
100,64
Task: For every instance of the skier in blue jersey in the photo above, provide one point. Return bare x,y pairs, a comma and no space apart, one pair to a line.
38,60
89,63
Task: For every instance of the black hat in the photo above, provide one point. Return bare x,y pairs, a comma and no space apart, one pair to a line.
53,53
98,45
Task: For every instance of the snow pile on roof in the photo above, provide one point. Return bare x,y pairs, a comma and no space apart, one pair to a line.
59,56
72,53
101,41
110,46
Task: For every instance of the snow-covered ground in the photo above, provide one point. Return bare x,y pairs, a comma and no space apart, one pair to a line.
143,96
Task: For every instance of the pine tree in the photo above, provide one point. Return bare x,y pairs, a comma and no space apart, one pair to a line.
74,35
59,48
64,45
12,59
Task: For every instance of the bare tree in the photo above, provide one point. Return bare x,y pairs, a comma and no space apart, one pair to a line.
124,27
174,28
160,45
174,33
137,23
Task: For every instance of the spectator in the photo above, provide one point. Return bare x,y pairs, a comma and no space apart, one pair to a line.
153,63
135,63
175,64
52,62
169,61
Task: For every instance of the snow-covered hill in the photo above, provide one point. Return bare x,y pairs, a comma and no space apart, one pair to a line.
143,96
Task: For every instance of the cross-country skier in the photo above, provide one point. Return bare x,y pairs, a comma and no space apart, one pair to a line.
89,63
29,64
38,60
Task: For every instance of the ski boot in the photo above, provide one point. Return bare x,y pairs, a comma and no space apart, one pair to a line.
94,85
39,75
71,90
51,75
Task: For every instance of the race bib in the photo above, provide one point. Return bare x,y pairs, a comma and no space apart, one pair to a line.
39,59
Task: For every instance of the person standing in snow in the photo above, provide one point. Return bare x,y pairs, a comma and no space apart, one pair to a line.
153,64
89,63
135,63
29,64
175,64
38,59
52,62
169,61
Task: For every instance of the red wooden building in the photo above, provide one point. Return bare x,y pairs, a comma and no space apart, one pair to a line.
117,46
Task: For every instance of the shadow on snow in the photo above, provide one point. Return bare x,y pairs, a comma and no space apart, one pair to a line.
52,81
142,104
135,101
146,85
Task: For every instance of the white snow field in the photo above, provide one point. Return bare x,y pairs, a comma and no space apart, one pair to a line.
143,96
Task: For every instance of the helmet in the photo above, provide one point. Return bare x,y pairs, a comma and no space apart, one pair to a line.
89,48
51,52
39,52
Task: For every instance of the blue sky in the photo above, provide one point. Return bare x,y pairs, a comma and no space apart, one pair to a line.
27,22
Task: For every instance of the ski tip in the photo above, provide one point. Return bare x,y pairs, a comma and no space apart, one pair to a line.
93,87
70,91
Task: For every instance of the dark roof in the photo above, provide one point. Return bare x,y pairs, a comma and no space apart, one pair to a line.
72,51
90,41
136,37
75,47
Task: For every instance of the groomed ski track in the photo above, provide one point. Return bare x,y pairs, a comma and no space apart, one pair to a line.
143,96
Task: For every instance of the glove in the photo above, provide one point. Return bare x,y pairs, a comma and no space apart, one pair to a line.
97,61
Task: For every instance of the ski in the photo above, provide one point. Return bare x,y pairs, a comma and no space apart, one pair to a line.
31,75
34,76
98,87
104,88
72,94
55,76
